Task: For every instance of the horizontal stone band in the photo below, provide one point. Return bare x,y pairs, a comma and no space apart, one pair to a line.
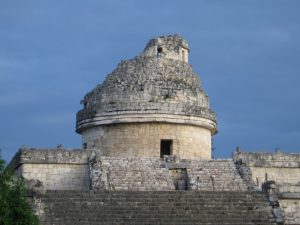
146,118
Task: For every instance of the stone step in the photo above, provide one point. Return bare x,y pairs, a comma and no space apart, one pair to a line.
156,194
162,207
154,174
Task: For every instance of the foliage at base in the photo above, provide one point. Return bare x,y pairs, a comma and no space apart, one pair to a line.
14,207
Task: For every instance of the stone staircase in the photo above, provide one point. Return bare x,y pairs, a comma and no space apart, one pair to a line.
156,207
152,174
133,173
220,175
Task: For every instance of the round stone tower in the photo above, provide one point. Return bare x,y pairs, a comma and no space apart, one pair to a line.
150,106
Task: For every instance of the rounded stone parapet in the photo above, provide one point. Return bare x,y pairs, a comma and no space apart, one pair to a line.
171,107
100,119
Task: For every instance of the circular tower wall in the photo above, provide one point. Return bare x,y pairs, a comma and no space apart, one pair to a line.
150,106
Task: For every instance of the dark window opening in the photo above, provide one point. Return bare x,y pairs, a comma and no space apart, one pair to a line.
183,55
84,145
159,50
166,147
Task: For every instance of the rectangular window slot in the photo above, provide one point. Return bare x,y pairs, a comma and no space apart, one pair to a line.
166,147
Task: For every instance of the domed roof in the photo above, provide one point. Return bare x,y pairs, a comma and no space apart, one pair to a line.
157,86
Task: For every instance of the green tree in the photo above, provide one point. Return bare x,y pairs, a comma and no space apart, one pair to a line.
14,208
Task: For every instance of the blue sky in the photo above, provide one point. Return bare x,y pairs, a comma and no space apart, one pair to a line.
246,52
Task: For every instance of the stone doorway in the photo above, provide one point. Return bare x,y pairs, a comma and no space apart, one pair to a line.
180,178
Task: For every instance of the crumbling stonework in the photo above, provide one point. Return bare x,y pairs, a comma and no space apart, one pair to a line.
217,175
134,173
172,47
146,156
36,191
57,169
278,174
158,86
89,171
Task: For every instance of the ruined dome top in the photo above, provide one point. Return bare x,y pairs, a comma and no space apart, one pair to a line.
171,46
157,86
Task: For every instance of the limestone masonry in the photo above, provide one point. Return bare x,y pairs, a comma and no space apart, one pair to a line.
153,97
146,156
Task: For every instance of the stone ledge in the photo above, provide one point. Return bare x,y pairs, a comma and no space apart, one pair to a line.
146,118
289,195
171,107
49,156
277,159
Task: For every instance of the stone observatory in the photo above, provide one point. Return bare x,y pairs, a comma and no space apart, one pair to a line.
146,157
150,106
